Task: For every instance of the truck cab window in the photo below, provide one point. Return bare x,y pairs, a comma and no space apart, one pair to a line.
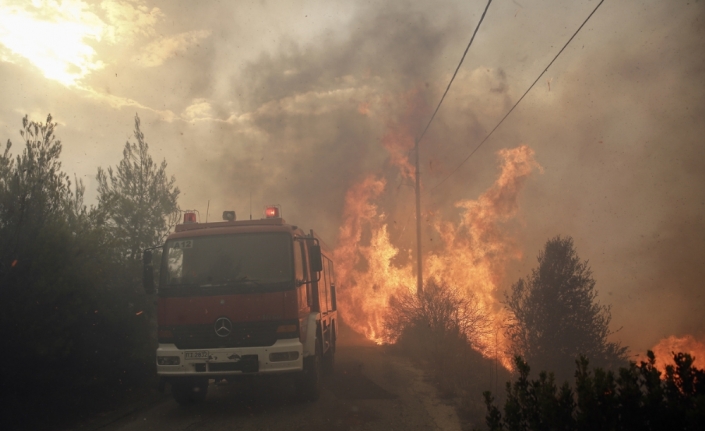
299,262
228,261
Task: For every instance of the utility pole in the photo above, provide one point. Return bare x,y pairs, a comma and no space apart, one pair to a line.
419,268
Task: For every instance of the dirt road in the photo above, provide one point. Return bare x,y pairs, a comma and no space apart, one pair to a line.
369,390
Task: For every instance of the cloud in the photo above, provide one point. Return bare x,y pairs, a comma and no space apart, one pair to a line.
59,37
52,36
158,51
118,102
129,19
200,109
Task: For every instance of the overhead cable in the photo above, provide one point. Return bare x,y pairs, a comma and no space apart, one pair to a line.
455,73
520,99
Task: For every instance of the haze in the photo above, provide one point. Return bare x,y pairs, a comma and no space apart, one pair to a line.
290,102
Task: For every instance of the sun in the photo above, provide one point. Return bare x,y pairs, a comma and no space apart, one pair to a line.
53,37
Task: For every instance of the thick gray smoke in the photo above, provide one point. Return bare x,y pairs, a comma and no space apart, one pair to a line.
314,116
616,125
294,102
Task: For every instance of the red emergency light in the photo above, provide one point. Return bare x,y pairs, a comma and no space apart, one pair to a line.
272,211
189,217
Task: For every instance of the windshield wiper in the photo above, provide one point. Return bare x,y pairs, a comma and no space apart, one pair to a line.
181,285
246,279
239,280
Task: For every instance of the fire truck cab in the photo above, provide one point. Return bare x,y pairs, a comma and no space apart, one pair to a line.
252,297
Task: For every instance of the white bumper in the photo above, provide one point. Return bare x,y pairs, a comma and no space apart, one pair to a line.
222,361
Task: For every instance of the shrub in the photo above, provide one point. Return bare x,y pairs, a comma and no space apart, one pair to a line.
441,311
443,328
638,397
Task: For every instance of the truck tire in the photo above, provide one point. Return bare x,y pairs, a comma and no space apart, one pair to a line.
189,392
309,383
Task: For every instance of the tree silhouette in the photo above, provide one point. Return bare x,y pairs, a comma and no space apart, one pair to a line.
556,316
138,201
33,188
66,308
637,397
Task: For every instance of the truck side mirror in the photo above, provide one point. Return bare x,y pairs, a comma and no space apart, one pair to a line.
314,254
148,272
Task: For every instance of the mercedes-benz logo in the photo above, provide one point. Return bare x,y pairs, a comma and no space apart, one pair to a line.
223,327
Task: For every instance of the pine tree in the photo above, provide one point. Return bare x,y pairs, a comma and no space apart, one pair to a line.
556,315
137,200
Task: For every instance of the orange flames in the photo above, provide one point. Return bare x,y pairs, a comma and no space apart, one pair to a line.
687,344
368,277
472,258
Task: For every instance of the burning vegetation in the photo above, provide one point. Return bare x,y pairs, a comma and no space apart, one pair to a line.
474,253
666,348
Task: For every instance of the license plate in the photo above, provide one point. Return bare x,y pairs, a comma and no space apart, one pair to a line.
195,355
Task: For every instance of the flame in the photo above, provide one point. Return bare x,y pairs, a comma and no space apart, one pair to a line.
665,348
370,278
472,257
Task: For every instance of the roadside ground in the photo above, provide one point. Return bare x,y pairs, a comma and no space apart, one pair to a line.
371,389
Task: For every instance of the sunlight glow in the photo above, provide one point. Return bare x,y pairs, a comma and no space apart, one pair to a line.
53,36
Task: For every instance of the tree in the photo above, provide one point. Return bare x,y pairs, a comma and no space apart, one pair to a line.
32,186
637,397
556,316
34,192
70,335
138,201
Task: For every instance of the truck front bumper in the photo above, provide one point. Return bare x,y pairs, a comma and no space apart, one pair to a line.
285,355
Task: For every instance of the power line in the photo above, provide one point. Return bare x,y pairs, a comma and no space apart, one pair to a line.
417,188
456,71
520,99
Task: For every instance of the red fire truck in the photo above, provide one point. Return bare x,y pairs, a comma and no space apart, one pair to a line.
234,298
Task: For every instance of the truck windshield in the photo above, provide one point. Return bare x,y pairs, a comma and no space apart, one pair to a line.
219,261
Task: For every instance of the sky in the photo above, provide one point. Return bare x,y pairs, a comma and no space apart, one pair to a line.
294,102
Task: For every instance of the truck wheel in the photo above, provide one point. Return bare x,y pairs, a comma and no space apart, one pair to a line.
309,384
189,392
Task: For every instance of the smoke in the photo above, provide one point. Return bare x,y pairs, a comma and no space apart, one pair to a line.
615,125
296,102
317,118
623,161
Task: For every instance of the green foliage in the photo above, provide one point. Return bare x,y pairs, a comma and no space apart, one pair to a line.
556,315
33,189
639,398
138,201
73,326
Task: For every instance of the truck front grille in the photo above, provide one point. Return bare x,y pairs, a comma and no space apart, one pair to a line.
242,335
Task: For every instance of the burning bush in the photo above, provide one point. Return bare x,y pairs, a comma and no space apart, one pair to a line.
444,329
440,311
